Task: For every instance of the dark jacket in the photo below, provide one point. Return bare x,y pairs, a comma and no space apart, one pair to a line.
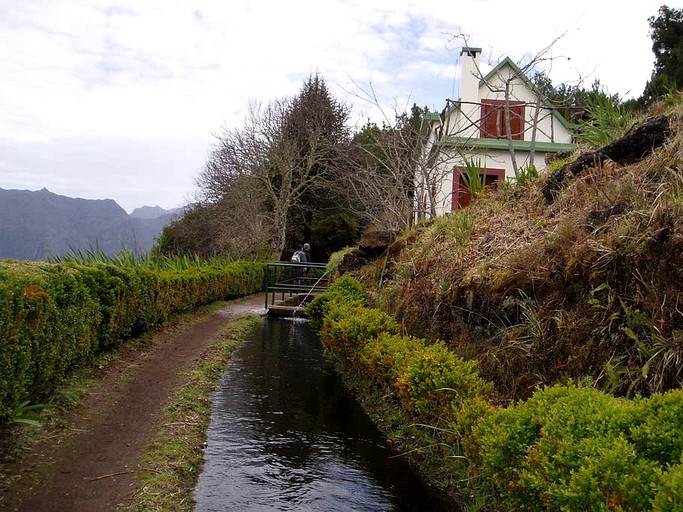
305,256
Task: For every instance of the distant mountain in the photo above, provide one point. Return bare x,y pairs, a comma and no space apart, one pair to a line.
151,212
38,225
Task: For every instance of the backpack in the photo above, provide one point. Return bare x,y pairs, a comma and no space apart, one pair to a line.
296,257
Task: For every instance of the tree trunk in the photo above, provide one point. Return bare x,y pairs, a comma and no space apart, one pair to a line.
508,128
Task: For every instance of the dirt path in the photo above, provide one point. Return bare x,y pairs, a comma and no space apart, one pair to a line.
92,468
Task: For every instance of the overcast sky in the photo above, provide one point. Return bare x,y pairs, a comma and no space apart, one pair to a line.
120,99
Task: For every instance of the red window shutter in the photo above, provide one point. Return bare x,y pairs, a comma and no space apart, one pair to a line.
487,122
517,121
493,122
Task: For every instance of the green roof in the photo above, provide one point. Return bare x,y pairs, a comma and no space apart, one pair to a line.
433,116
507,61
502,144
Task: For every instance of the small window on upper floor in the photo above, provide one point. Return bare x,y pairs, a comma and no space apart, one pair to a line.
493,124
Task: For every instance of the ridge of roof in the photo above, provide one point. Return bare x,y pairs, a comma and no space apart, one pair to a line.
507,61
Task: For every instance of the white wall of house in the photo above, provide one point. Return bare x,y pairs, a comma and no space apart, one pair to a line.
491,159
461,126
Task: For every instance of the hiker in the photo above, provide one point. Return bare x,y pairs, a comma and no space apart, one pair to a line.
303,255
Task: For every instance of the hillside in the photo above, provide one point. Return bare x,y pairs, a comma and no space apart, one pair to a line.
586,287
41,224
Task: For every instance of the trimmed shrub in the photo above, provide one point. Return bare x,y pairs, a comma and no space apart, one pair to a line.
435,382
383,359
576,448
428,382
54,316
669,497
46,323
347,328
343,291
658,433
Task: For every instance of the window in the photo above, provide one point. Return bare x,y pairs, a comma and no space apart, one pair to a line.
493,124
461,194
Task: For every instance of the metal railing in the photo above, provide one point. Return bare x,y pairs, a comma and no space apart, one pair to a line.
288,279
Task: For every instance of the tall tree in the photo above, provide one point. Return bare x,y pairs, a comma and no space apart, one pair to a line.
317,125
285,149
666,31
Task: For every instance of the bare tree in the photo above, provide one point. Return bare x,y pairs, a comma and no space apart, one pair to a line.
260,151
243,230
434,163
232,226
283,150
396,167
381,180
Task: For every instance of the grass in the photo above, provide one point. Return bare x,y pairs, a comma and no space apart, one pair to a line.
151,261
172,461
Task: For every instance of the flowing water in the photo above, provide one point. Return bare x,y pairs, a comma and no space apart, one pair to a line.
286,434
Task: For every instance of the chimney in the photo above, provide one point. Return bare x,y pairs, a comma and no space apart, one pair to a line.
469,74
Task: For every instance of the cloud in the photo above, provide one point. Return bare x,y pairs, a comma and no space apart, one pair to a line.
102,168
92,70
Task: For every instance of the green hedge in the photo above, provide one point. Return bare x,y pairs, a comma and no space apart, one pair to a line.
53,316
567,448
575,448
427,381
344,291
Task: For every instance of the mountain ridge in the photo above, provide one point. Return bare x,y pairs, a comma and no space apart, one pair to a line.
38,225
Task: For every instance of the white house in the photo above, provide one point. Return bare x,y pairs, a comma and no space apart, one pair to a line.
500,123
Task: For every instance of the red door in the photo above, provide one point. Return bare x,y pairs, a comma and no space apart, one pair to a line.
461,194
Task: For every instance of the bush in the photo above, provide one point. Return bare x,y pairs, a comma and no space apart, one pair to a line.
435,382
343,291
126,299
54,316
600,474
347,328
658,432
429,382
383,359
47,322
576,448
669,497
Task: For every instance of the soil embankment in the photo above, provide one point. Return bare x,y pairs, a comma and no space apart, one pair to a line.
91,465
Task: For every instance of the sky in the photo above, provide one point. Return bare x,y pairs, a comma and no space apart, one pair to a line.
123,99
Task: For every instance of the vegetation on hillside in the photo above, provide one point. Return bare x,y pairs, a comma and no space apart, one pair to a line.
538,293
568,447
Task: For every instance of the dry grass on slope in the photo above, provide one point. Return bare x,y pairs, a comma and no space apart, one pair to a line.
590,286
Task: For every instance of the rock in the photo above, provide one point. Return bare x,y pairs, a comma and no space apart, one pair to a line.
635,145
373,243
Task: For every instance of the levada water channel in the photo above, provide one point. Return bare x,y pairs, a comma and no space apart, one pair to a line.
286,434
